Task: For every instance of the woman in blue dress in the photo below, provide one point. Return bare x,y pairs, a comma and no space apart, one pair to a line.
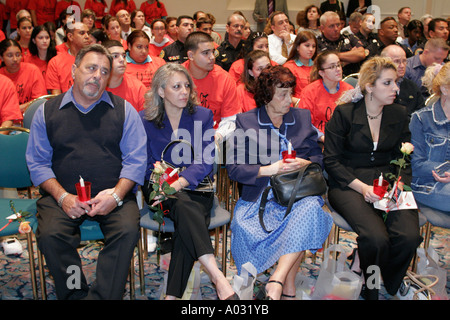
253,155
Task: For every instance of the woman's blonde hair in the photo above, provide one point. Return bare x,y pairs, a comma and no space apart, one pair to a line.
154,104
435,76
371,70
369,73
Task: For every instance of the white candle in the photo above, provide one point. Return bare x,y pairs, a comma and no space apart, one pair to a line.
289,148
380,180
173,172
81,182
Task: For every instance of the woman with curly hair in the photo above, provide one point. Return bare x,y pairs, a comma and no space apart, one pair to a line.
309,19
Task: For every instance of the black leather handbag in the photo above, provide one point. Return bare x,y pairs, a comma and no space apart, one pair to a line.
206,185
292,186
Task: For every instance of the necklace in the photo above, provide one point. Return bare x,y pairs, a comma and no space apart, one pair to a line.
374,117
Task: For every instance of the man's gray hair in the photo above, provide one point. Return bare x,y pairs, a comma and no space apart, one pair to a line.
93,48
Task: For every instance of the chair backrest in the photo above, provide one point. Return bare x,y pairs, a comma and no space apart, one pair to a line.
431,99
352,79
30,111
13,167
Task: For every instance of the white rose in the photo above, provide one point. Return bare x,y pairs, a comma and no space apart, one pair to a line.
407,148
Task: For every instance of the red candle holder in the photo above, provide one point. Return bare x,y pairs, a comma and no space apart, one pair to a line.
285,154
84,193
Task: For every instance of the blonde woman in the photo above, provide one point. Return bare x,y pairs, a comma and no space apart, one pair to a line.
361,139
430,136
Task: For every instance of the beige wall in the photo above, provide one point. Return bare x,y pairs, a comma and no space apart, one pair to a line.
222,8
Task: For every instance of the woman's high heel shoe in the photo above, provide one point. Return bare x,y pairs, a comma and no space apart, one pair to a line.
267,297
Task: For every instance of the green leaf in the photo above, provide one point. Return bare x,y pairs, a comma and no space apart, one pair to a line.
406,188
152,195
169,190
155,187
165,185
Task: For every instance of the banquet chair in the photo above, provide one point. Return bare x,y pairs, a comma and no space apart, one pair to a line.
90,231
435,218
352,79
29,112
14,174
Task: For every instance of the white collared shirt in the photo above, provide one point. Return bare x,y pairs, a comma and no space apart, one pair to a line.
275,44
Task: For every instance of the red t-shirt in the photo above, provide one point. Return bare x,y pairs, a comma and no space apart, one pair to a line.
246,98
237,68
28,81
9,101
62,47
154,50
301,74
217,92
63,5
14,6
59,72
45,10
316,99
116,6
131,90
144,72
152,12
99,9
41,64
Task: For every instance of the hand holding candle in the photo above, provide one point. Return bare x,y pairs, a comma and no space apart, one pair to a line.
380,186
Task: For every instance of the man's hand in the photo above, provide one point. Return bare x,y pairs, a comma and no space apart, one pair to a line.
103,203
73,207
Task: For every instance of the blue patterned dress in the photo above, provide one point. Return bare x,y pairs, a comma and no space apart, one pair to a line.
305,228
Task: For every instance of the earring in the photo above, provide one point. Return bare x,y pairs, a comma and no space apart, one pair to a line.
370,96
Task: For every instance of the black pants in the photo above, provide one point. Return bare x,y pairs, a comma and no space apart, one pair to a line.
191,214
389,245
58,237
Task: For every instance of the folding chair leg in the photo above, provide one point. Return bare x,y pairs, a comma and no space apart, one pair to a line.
32,265
141,268
42,274
132,282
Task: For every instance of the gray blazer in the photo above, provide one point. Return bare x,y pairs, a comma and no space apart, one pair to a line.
261,12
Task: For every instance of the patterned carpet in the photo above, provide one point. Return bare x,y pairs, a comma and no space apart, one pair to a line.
15,283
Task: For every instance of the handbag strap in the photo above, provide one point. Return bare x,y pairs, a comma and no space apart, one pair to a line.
173,142
262,207
262,204
298,182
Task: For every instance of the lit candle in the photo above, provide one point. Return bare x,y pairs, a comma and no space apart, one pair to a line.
289,148
81,182
380,180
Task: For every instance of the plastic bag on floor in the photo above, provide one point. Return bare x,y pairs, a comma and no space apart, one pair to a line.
192,291
428,264
243,284
336,281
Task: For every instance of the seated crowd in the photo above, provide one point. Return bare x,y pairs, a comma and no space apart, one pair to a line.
126,81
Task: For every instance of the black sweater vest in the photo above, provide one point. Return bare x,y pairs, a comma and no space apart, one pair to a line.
86,145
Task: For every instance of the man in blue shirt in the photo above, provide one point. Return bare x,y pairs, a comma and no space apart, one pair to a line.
435,51
89,133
